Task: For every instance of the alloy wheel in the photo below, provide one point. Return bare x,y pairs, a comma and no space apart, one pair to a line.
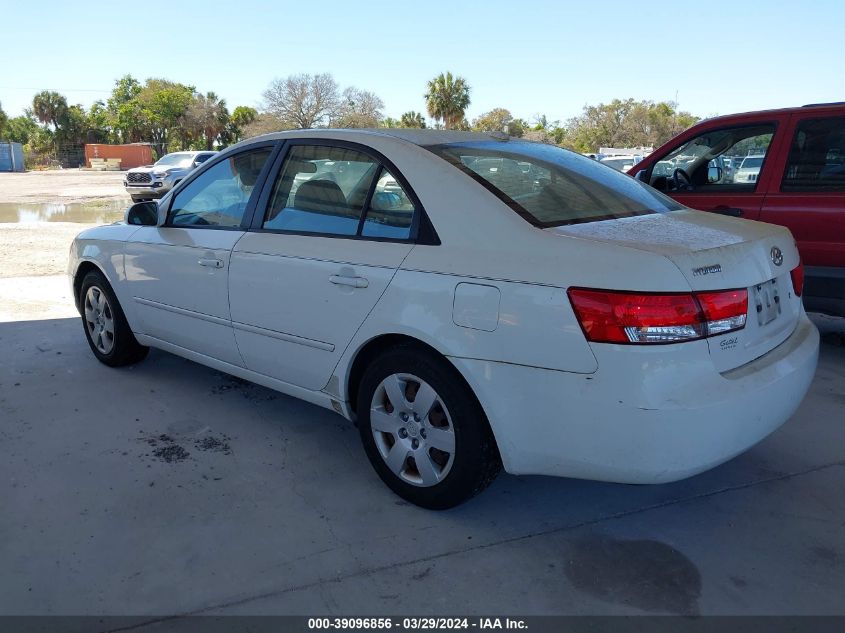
99,319
413,430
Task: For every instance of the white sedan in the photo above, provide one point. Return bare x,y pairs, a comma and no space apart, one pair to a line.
472,302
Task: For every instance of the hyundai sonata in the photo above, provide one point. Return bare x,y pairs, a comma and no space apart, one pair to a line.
470,301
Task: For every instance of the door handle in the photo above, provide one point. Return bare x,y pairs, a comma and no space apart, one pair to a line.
355,282
737,213
211,262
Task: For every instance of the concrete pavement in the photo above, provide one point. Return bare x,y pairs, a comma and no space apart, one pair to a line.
170,488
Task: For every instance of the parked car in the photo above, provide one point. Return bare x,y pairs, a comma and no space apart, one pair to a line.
789,173
566,321
749,169
621,163
153,181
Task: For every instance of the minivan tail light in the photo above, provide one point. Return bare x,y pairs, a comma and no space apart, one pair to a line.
608,316
797,275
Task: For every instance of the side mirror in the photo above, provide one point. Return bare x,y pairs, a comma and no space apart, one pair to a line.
197,163
642,176
714,174
142,214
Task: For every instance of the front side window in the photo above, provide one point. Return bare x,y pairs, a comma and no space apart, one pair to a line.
713,160
219,196
817,157
321,189
550,186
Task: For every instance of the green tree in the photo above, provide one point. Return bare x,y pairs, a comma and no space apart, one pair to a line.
446,99
21,129
207,118
625,123
242,116
128,121
74,128
50,108
499,120
4,120
165,104
412,119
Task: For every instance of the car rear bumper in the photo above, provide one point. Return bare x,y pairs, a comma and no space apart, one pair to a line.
637,420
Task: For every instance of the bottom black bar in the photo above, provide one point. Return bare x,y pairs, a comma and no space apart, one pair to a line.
532,624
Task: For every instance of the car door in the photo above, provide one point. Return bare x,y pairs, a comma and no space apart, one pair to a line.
809,195
177,273
338,223
693,172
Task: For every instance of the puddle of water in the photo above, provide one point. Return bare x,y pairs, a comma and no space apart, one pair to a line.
92,212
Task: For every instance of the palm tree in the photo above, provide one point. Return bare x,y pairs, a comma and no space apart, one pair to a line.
447,99
412,119
50,107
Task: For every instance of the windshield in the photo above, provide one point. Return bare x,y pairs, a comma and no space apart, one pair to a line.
755,161
179,159
618,163
549,186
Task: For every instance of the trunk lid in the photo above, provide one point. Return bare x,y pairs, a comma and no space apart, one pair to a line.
715,252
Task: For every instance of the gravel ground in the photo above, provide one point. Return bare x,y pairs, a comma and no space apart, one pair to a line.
34,248
39,248
61,186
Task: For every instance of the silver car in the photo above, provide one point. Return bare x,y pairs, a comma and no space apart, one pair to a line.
153,181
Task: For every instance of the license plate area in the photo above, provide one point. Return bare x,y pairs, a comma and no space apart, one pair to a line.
767,300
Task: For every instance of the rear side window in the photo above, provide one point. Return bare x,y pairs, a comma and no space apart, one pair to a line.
321,189
549,186
817,157
390,212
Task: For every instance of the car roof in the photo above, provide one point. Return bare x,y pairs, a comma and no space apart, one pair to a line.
411,135
836,106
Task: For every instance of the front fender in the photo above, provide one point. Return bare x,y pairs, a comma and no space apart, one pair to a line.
103,247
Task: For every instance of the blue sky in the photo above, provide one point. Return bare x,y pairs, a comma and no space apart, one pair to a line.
530,57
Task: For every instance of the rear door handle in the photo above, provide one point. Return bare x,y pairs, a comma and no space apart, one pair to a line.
737,213
211,262
355,282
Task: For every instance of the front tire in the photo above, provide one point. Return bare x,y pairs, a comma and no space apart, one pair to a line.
106,329
424,431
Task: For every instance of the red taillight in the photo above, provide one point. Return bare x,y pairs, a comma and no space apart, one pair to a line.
608,316
797,275
723,311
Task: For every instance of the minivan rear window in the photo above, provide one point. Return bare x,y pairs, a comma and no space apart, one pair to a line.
549,186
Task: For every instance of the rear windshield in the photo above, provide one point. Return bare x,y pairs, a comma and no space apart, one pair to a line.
757,161
618,163
550,186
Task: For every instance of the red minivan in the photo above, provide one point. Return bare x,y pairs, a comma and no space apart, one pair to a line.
781,166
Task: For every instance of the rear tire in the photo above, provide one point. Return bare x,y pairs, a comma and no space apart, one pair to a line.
435,450
106,328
